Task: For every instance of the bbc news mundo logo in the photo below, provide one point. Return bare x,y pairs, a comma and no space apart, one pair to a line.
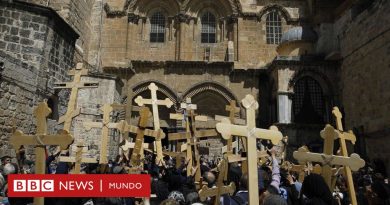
91,185
33,186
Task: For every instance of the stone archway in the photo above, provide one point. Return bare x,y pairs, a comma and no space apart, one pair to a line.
210,97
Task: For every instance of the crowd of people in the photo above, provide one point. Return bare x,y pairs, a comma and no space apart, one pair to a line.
172,186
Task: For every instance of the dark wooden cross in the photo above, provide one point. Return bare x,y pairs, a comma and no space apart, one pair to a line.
40,140
72,110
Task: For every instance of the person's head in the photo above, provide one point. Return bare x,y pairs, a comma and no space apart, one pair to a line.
244,182
9,169
315,187
380,190
192,197
177,196
5,160
118,170
209,177
270,190
273,199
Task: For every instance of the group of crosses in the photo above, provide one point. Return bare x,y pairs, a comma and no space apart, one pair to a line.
244,131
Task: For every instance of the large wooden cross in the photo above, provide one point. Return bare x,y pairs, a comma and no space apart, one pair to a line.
343,136
232,109
192,135
127,108
354,161
122,126
40,140
232,113
140,132
220,188
78,159
126,145
105,125
329,135
302,170
72,110
187,108
156,118
252,134
261,155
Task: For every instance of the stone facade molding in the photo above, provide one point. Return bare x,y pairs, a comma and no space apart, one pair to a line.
210,86
280,9
130,5
318,76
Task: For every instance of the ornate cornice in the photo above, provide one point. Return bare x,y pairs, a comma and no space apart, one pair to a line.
133,18
116,13
183,18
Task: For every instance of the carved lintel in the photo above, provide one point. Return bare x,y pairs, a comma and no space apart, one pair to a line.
133,18
183,18
110,13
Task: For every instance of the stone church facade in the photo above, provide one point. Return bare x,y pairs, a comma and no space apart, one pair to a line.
299,58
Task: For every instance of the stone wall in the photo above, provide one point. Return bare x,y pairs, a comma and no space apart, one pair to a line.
90,100
37,48
126,36
77,13
365,73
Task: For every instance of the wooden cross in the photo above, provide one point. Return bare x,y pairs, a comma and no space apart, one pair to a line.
78,159
122,126
127,108
329,135
344,152
232,109
188,107
191,135
126,146
252,134
354,161
178,156
105,125
72,110
302,170
156,121
232,113
140,131
220,188
40,140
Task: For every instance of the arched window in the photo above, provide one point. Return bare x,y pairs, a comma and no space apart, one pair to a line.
157,30
208,28
274,28
308,101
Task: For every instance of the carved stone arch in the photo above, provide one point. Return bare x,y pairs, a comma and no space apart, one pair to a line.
275,7
325,84
320,77
223,8
210,97
212,86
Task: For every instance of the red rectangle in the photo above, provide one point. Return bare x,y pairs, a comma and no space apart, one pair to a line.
79,185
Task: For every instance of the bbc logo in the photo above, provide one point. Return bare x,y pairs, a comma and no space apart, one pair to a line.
34,185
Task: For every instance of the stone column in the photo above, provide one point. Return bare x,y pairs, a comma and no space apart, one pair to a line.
182,19
284,107
284,92
234,21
